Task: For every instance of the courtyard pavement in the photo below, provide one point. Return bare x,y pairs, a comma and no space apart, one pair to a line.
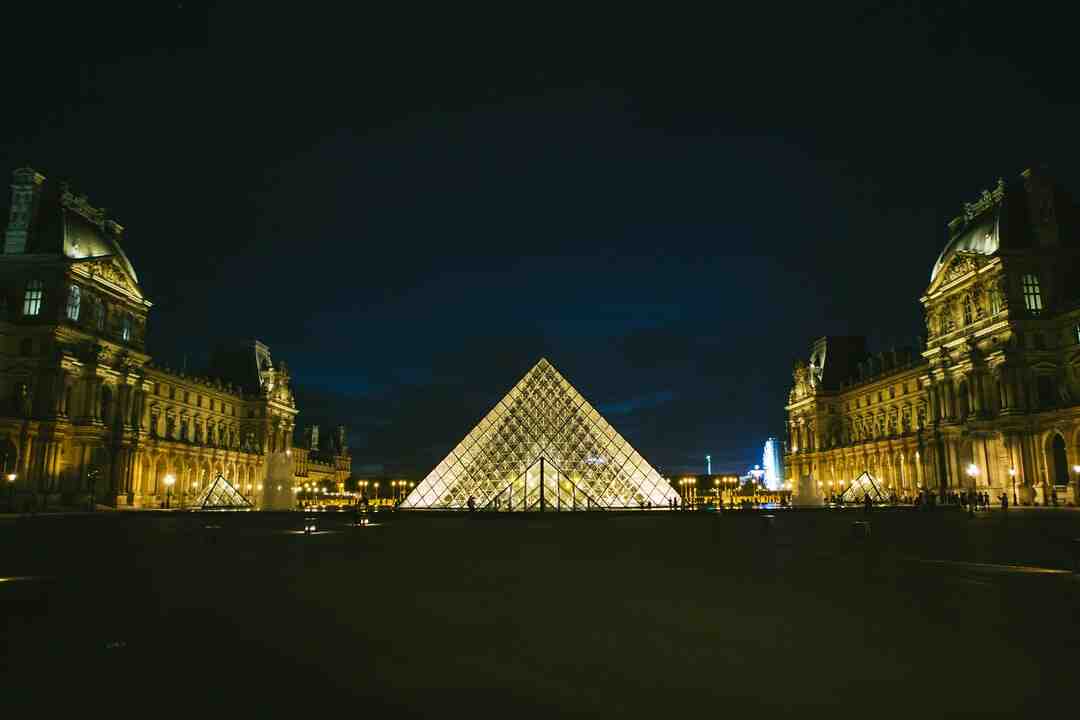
591,614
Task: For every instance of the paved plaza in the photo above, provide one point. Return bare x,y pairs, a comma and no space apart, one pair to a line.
605,614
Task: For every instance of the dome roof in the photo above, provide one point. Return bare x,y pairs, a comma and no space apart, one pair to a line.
981,235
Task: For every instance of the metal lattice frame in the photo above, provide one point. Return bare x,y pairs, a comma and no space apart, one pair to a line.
542,447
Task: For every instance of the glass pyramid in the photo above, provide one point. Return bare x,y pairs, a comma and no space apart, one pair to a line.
220,495
861,487
543,447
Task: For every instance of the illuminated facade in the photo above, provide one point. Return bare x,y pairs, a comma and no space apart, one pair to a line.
991,401
543,447
86,415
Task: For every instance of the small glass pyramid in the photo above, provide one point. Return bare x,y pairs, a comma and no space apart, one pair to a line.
543,447
220,495
861,487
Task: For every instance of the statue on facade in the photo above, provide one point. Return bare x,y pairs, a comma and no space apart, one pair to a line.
23,400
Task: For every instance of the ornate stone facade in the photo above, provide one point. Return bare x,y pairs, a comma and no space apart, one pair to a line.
991,399
86,414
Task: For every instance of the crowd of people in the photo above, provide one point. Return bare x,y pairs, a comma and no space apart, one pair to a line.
966,499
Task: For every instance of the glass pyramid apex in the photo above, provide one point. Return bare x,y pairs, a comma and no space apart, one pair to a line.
542,447
221,495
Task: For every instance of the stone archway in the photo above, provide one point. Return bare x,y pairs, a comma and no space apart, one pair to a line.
1057,460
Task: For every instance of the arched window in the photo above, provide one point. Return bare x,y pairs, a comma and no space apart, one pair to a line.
35,292
74,303
125,328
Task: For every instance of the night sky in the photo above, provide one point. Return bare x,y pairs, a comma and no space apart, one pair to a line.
411,210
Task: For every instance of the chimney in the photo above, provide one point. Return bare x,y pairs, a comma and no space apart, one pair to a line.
1041,206
25,187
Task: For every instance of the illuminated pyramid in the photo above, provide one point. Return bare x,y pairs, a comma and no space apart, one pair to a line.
861,487
543,447
220,495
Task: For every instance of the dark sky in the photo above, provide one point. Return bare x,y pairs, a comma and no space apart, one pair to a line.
411,210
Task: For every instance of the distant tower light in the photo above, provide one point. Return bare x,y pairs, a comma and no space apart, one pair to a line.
708,464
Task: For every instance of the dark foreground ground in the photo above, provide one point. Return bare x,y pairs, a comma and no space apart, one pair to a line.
641,615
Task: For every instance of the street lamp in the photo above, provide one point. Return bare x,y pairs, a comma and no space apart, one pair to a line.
170,479
11,478
1012,476
973,472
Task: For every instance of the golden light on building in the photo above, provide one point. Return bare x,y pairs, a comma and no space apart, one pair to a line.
904,415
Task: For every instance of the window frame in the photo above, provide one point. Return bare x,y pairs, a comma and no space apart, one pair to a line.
33,297
1031,287
74,303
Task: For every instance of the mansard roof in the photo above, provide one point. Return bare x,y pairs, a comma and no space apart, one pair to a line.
1001,219
64,223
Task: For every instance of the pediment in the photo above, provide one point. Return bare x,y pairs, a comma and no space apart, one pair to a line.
111,272
960,265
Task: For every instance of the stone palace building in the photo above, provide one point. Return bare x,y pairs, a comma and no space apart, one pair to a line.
991,401
85,414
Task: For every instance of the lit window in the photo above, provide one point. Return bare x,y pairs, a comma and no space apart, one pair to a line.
969,315
35,291
1032,296
1076,332
74,302
125,328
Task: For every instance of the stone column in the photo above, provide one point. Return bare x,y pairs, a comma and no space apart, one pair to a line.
920,480
59,385
1027,473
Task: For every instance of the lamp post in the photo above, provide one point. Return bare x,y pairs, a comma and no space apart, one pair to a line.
1012,477
973,472
170,479
11,478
